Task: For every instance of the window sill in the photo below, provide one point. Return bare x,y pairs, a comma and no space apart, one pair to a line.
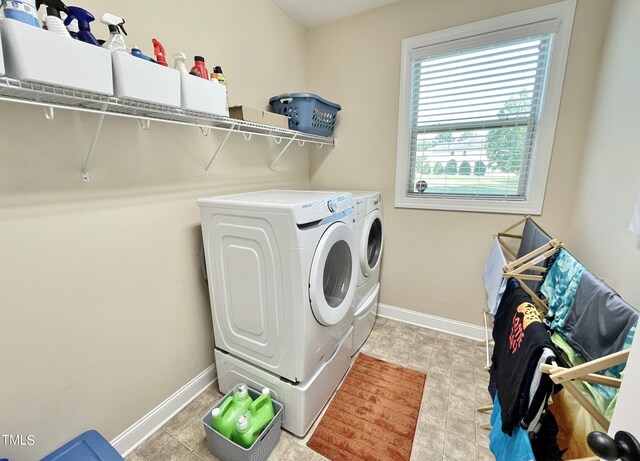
478,206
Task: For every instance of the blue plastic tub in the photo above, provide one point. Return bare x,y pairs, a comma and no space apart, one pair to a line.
307,112
89,446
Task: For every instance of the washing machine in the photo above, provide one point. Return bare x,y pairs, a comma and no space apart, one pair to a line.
369,234
283,270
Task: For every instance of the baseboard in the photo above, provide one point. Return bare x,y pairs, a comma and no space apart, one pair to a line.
453,327
126,442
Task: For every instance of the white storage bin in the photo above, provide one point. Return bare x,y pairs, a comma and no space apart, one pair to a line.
202,95
141,80
37,55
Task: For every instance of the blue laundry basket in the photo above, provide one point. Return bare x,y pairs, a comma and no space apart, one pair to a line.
89,446
307,112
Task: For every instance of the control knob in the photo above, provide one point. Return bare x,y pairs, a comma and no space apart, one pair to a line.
332,205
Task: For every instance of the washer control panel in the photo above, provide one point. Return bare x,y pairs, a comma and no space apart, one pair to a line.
317,210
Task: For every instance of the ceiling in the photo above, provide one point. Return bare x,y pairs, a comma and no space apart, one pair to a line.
312,13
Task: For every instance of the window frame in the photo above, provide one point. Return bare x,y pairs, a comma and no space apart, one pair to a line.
563,14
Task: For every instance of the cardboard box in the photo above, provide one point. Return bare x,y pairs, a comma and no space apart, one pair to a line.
259,116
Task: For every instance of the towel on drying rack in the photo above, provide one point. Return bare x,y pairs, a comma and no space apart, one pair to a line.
535,398
504,447
494,282
560,286
533,237
600,322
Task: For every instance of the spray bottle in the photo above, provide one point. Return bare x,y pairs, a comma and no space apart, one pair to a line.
72,26
82,17
158,51
180,62
21,10
135,51
53,19
199,69
116,40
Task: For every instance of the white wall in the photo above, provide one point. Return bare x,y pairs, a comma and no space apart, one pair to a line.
103,311
610,177
433,260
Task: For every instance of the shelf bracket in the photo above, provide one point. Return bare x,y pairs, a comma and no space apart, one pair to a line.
277,139
48,112
282,152
205,130
92,149
302,143
224,141
247,136
145,123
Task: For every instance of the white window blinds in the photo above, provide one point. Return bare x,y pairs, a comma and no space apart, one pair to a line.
474,114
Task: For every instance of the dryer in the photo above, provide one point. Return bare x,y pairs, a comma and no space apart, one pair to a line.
283,270
369,234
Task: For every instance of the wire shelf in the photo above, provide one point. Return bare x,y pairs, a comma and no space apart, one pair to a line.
55,97
73,99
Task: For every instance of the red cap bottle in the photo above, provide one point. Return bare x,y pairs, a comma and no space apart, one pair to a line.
200,69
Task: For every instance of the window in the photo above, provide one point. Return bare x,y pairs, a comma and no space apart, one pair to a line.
478,109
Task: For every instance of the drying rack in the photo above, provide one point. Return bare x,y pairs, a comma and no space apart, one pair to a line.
518,268
586,372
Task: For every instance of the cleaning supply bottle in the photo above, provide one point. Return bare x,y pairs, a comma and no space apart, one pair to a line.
53,19
116,40
221,421
245,432
262,410
83,18
223,418
71,24
158,51
217,71
21,10
200,69
135,51
180,62
241,396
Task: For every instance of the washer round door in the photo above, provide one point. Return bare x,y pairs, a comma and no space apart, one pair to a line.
371,243
332,281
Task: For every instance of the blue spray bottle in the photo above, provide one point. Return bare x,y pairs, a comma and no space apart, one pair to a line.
135,51
72,26
84,18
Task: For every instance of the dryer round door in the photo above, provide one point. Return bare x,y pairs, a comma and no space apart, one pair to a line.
332,281
371,243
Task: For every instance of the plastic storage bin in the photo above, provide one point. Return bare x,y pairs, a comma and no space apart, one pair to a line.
36,55
202,95
145,81
89,446
226,450
307,112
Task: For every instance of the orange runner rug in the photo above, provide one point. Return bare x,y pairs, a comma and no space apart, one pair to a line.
374,414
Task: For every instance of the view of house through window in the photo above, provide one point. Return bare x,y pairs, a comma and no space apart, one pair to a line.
478,109
474,117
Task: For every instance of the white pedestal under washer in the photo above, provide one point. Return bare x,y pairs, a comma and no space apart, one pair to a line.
369,234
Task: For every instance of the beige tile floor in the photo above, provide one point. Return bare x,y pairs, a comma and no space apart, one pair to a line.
448,426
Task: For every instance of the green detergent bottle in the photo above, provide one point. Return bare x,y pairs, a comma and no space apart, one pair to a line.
224,418
262,410
246,430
